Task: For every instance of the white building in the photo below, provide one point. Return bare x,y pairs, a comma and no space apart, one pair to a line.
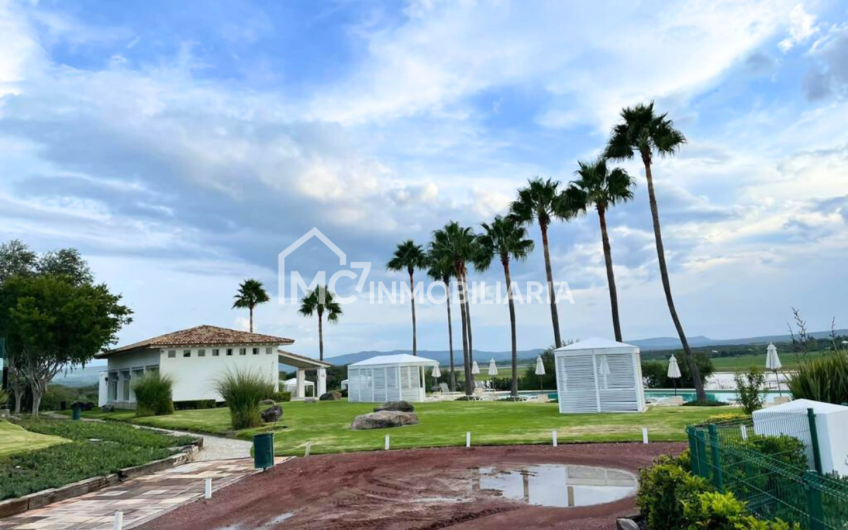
194,358
388,378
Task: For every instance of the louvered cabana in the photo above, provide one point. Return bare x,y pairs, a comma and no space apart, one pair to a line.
387,378
599,375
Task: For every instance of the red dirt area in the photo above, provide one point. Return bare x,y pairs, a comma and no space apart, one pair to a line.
423,489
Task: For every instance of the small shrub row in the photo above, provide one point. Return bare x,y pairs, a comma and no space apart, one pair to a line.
281,396
120,433
154,395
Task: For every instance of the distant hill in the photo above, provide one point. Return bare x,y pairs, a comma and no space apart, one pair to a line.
442,356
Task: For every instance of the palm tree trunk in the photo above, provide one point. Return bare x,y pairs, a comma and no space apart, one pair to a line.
469,378
251,319
414,331
616,324
693,367
450,338
468,318
321,334
551,290
514,387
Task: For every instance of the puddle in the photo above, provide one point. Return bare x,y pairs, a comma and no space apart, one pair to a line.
556,485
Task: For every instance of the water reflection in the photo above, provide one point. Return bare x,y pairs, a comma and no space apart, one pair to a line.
556,485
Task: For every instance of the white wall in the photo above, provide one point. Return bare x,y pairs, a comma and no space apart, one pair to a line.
143,360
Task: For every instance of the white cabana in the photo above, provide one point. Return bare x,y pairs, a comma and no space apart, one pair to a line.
290,385
388,378
599,375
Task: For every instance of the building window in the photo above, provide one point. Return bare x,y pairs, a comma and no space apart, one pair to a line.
186,353
201,353
255,351
242,351
172,354
269,351
216,352
229,352
125,385
152,368
113,386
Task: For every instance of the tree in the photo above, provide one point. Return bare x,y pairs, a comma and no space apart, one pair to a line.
644,132
319,301
599,187
505,239
66,262
454,246
16,259
408,256
540,201
440,272
50,323
250,294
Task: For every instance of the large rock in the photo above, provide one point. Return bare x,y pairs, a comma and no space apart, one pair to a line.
272,413
400,406
384,419
331,396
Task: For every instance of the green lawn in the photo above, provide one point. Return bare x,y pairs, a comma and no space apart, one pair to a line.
742,363
326,425
16,439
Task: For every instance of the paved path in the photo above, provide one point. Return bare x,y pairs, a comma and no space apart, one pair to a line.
217,448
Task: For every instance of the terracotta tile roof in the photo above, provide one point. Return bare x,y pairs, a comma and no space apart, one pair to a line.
200,336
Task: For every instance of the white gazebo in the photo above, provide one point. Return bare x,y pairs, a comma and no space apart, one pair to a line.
290,385
388,378
599,375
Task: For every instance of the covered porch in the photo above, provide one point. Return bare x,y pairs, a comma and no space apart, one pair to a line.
303,364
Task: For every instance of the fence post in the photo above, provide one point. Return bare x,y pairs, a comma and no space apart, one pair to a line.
814,501
703,468
814,440
717,482
693,451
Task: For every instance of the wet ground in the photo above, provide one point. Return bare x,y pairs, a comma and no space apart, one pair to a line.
578,487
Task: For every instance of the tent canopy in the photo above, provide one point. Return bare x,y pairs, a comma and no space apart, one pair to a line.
400,358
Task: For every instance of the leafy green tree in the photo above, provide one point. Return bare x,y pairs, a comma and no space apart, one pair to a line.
320,301
505,239
250,294
66,262
645,133
602,188
50,323
16,259
441,272
456,246
408,256
541,202
656,372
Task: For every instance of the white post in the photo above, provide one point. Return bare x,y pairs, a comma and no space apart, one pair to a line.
387,442
308,447
118,521
644,435
322,382
554,436
300,389
207,488
744,431
468,439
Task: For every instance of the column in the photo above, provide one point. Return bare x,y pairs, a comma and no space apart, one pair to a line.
300,390
322,382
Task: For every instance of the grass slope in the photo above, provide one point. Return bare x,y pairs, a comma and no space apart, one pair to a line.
15,439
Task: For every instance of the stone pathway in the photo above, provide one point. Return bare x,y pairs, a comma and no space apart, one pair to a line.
141,499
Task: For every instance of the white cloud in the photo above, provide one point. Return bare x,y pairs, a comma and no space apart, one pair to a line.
802,27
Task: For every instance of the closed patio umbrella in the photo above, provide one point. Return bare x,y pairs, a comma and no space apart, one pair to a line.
673,372
773,364
436,373
475,369
493,368
540,370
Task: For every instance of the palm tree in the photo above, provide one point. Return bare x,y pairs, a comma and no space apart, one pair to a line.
454,246
540,202
505,239
645,132
250,294
599,187
409,256
318,301
443,273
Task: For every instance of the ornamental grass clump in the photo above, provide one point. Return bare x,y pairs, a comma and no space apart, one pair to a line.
154,395
243,390
823,378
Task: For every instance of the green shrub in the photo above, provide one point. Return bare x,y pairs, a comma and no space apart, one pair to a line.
196,404
785,449
822,379
153,394
120,433
243,390
280,396
664,490
727,417
707,403
656,372
750,387
713,511
4,398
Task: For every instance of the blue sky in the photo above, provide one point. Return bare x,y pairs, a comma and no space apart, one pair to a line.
182,145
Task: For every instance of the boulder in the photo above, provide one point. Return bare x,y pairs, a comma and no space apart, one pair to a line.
310,400
384,419
399,406
106,408
272,413
623,523
331,396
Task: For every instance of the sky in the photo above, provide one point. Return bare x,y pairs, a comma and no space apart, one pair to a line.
181,146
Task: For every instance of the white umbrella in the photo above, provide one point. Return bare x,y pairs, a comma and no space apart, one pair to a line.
773,364
493,368
674,372
436,373
540,370
475,369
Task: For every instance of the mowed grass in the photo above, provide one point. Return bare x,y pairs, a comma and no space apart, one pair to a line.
326,425
15,439
743,363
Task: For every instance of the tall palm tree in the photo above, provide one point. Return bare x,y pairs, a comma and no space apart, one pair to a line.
602,188
454,246
250,294
540,201
409,256
644,132
440,272
319,301
505,239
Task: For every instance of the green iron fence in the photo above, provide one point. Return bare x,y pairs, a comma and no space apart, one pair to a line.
774,464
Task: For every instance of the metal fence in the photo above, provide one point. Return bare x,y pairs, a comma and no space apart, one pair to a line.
774,464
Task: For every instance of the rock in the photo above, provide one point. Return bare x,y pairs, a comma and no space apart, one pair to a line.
399,406
267,402
310,400
331,396
272,413
106,408
623,523
383,419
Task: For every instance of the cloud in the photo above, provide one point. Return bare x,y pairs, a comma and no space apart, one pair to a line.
802,27
830,76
